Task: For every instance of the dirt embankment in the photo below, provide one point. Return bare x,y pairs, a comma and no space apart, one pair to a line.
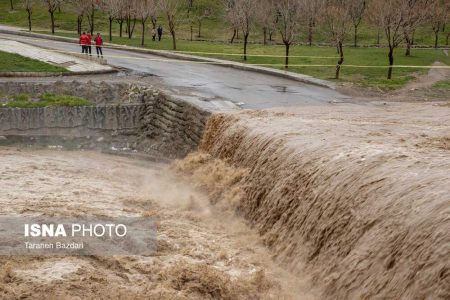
356,196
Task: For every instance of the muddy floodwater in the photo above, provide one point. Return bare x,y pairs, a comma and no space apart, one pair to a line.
203,252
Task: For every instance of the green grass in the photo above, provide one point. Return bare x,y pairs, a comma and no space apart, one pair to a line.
21,97
215,36
444,85
46,100
10,62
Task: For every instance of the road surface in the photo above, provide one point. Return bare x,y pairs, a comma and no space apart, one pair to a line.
206,82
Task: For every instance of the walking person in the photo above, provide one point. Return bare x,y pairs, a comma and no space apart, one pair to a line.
83,41
89,43
98,45
153,34
160,32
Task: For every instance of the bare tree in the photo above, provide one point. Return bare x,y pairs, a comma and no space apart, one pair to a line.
80,8
201,10
121,15
231,17
267,17
337,17
110,8
357,10
28,6
90,13
437,16
246,14
145,9
415,14
170,8
130,17
447,21
289,19
389,15
11,4
312,10
52,6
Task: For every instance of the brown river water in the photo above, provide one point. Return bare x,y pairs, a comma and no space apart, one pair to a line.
338,202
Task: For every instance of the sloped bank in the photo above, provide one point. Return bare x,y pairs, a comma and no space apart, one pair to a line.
337,197
126,116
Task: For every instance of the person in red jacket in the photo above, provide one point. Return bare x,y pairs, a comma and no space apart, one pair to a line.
98,45
83,43
89,43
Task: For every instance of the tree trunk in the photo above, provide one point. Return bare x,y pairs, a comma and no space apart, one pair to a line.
310,32
245,46
378,37
192,32
436,39
120,27
408,48
79,23
29,19
110,28
447,39
234,35
391,62
11,3
174,40
270,35
92,20
408,41
52,18
341,60
131,28
199,29
286,59
355,44
265,36
143,33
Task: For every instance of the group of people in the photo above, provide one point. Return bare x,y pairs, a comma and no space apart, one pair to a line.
86,41
158,31
86,44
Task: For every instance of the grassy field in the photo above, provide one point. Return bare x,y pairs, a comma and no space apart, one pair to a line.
316,61
10,62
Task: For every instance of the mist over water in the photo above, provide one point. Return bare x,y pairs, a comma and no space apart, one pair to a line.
203,251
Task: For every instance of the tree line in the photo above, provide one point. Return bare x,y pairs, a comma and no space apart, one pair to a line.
396,20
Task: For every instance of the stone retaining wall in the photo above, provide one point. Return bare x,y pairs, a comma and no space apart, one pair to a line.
171,126
86,120
159,123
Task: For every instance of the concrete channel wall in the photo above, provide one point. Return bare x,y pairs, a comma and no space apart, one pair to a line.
156,123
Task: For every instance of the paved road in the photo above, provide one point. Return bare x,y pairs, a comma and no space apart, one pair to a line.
215,84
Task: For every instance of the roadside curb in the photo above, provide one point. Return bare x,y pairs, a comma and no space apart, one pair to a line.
241,66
